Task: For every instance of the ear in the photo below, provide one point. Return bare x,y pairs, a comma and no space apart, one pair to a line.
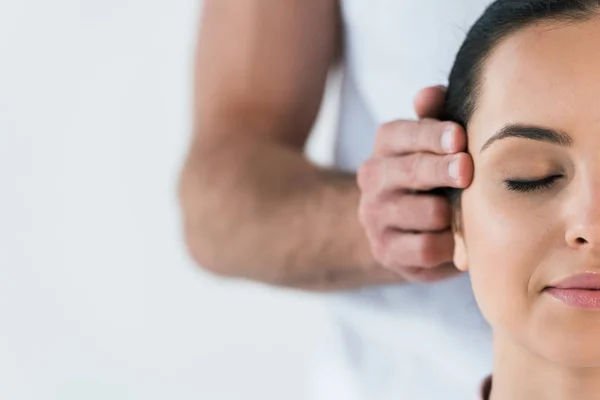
460,252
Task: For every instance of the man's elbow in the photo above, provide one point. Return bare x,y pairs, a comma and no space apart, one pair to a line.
197,219
204,252
217,240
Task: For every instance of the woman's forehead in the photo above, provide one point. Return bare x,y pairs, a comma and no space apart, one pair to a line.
547,74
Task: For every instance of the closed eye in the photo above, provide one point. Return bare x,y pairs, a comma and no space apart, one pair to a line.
529,185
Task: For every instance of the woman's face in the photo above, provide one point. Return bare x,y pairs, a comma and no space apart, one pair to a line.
531,217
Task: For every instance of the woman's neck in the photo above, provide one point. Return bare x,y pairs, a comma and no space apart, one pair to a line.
521,375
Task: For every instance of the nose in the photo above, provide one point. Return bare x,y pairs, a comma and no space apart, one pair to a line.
583,231
584,235
579,239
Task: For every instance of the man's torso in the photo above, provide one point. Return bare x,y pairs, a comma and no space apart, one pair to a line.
403,341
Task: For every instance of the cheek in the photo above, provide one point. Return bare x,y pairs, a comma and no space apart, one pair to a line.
504,246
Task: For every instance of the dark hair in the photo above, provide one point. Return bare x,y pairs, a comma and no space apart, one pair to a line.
501,19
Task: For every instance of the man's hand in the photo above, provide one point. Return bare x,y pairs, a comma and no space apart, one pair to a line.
409,230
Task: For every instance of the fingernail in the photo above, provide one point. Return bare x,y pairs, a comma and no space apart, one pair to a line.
448,139
453,169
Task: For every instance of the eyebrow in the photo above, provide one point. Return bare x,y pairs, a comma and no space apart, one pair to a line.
530,132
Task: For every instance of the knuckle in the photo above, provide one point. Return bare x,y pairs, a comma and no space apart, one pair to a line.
388,133
422,124
382,137
414,133
367,174
443,165
426,131
368,215
385,128
411,169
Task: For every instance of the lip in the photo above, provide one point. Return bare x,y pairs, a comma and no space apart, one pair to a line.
579,291
586,280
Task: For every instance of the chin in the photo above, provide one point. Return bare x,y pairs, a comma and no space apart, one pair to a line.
570,348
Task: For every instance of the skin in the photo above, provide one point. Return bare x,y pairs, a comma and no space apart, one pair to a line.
516,243
254,207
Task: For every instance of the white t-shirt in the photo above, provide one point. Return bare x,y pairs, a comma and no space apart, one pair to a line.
403,341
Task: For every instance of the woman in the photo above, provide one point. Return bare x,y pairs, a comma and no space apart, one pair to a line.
526,85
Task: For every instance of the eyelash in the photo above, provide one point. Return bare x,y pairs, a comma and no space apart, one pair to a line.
526,186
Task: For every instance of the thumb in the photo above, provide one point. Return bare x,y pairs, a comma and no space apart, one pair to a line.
429,102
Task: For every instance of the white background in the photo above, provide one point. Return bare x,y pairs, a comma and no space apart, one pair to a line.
98,299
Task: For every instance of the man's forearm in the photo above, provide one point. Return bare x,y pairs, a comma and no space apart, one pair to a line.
259,210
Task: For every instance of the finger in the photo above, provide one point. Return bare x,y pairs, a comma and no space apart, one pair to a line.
422,171
409,213
425,250
429,275
427,135
429,102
